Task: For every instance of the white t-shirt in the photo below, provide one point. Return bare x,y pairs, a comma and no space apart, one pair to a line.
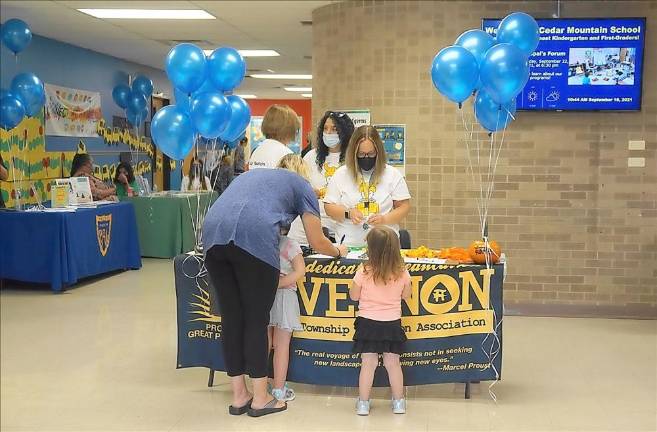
368,198
319,179
196,185
289,249
268,154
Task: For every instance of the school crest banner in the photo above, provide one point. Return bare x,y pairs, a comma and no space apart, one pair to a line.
452,321
72,112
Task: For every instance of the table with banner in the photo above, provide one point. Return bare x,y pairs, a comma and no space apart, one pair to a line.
60,248
166,221
452,321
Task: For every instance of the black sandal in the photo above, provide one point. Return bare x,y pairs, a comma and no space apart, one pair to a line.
269,408
240,410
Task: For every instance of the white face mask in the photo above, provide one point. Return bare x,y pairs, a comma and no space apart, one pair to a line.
331,140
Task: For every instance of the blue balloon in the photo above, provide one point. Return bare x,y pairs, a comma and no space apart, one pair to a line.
226,68
455,72
521,30
491,115
182,99
210,113
11,111
16,35
136,117
477,42
173,132
504,72
137,101
186,67
5,93
240,116
143,85
206,87
29,89
120,94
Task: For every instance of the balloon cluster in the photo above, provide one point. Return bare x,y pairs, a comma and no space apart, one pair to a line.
134,100
495,70
27,95
201,108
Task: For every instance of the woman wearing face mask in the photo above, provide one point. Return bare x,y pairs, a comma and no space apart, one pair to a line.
334,131
195,180
366,191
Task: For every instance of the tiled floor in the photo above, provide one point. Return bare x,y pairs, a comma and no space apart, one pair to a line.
102,356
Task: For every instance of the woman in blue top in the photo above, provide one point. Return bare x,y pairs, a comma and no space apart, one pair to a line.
241,235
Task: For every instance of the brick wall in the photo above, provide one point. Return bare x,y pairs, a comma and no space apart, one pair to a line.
578,225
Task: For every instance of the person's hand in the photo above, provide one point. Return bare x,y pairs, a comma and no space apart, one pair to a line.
343,250
356,216
377,219
123,179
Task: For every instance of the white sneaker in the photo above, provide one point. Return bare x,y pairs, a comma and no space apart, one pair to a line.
362,407
399,406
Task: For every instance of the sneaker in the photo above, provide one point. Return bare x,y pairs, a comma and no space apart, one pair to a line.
285,394
362,407
399,406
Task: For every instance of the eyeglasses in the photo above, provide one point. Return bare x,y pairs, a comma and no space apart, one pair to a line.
337,114
366,155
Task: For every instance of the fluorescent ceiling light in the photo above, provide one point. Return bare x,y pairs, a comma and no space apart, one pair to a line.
259,53
283,76
249,53
247,96
172,14
308,95
299,89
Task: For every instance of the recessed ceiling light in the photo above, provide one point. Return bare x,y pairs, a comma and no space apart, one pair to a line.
299,89
177,14
247,96
271,71
250,53
283,76
308,95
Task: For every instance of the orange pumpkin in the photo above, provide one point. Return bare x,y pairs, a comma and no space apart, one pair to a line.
477,251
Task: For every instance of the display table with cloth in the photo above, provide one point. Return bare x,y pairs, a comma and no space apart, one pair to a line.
452,321
61,248
166,221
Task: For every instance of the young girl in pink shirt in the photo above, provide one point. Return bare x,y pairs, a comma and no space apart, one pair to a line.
379,286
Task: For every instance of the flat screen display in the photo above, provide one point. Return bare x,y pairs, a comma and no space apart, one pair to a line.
585,64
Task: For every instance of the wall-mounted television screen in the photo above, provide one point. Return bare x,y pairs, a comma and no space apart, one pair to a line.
584,64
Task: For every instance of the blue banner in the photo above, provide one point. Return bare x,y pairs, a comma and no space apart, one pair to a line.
452,321
584,64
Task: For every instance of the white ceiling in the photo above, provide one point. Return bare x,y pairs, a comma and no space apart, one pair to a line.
240,24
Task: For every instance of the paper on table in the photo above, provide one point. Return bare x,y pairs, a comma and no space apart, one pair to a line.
59,210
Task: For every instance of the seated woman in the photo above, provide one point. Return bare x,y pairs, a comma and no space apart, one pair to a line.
195,180
223,174
366,191
83,166
125,182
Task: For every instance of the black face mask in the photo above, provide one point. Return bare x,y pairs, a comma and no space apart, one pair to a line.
366,163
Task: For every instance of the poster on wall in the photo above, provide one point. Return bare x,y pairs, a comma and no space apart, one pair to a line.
359,117
394,141
255,133
295,145
71,112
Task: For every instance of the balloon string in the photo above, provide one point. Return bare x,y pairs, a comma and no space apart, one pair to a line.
497,156
470,166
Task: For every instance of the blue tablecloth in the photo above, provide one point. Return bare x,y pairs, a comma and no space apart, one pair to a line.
61,248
